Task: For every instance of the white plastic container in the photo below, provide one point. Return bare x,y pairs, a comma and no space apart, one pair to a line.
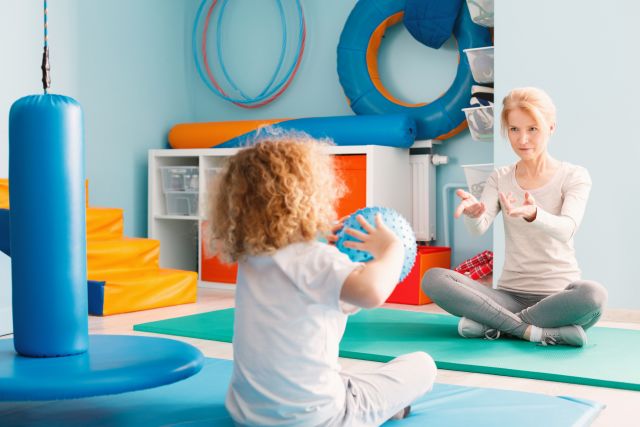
179,178
477,176
181,203
481,12
481,63
480,121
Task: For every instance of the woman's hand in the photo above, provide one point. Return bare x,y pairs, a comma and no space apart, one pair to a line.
469,206
528,210
333,237
378,240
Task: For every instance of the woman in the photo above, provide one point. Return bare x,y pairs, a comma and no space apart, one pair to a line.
540,296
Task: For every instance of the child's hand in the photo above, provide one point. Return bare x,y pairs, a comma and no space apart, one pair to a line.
370,285
333,237
469,206
528,210
377,241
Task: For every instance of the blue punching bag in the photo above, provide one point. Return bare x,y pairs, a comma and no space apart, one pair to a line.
48,229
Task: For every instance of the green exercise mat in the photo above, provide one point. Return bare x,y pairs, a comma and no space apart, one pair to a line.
608,360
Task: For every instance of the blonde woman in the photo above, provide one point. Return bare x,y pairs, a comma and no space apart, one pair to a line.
540,296
294,294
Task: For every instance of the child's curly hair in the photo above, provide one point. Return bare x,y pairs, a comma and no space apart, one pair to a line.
279,191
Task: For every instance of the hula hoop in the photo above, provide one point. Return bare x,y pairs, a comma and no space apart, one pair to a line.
267,95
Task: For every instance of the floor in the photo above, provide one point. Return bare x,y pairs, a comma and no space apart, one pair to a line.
622,405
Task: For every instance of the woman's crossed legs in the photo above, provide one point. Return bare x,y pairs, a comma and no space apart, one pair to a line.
580,303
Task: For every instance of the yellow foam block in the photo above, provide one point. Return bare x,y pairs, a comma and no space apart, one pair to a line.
125,292
122,254
4,193
104,223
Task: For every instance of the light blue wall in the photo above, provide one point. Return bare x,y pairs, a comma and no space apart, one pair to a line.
21,40
132,58
586,58
411,71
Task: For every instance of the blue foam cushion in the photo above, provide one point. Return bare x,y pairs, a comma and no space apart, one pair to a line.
199,401
392,130
431,21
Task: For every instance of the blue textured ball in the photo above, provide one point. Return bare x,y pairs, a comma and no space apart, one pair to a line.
392,219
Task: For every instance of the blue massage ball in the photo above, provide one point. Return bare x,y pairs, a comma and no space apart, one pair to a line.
392,219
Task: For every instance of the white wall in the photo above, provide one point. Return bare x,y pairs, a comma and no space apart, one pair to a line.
585,55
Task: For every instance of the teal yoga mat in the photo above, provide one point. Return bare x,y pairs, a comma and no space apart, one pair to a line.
199,402
608,360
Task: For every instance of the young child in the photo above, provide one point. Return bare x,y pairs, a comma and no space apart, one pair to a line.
271,203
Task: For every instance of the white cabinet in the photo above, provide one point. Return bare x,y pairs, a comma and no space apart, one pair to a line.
388,183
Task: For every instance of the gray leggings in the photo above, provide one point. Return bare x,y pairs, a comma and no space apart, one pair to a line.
580,303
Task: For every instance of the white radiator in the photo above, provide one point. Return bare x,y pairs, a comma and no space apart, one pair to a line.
423,194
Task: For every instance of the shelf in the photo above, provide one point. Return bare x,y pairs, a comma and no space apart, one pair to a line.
387,175
231,287
181,217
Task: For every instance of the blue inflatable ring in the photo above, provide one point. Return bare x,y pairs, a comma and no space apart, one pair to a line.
358,69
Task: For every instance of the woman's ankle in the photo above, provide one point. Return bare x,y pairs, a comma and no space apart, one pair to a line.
527,333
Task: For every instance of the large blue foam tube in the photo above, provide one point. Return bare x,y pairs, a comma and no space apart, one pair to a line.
48,229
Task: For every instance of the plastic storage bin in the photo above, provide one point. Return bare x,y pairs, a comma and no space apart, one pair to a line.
181,203
477,176
179,178
481,12
480,121
481,63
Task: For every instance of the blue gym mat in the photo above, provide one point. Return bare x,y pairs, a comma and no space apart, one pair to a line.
199,401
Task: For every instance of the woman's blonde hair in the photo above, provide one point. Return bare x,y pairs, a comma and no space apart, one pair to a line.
280,190
534,101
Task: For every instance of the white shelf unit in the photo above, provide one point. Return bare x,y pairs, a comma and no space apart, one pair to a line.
388,183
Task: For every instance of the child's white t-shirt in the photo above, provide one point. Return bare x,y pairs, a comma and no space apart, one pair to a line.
288,323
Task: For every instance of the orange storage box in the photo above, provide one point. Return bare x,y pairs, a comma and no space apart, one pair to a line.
409,291
352,168
353,171
213,270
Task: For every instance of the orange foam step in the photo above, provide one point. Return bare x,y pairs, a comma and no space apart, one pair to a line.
122,254
124,292
104,223
4,193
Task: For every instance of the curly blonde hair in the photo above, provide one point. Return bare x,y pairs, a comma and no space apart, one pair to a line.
281,190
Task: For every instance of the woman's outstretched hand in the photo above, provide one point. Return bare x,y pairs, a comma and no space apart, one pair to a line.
469,206
528,210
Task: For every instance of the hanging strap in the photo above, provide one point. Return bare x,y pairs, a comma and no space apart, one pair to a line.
45,67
